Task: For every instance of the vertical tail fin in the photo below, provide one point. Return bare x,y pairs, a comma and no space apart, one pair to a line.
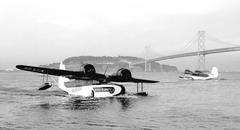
62,80
62,66
214,72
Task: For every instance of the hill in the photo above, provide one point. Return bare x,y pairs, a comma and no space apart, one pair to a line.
112,64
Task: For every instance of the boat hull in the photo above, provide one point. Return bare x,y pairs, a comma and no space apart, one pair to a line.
104,90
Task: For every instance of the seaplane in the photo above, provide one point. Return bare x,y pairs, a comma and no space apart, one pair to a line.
200,75
87,82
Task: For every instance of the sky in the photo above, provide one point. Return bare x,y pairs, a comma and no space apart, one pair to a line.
37,32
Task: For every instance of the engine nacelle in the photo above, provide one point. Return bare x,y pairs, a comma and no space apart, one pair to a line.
124,74
88,69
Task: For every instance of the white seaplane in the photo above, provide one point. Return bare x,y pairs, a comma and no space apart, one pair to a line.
200,75
88,83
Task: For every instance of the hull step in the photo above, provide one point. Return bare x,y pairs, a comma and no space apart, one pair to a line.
141,94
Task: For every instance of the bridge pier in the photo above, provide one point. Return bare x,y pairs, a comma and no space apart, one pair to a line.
148,67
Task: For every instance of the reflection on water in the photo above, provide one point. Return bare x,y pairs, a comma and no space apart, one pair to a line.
125,103
74,103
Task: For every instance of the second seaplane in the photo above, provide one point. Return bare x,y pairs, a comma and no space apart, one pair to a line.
87,82
200,75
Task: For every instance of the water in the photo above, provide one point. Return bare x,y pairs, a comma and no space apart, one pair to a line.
171,104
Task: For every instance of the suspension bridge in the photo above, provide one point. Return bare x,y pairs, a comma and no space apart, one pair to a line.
201,52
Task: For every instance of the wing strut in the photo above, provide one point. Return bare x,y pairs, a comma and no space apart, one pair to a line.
45,84
140,92
137,87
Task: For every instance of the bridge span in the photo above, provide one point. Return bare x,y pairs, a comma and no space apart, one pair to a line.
206,52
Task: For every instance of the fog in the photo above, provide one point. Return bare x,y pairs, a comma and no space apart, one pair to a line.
41,32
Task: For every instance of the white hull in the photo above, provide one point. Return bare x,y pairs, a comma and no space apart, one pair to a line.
103,90
106,90
190,77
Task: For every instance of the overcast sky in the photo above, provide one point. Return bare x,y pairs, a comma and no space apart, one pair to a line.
38,32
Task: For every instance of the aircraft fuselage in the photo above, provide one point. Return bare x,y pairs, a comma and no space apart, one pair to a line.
93,90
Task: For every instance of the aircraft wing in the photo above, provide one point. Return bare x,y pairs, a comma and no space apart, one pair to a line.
143,81
55,72
114,78
80,75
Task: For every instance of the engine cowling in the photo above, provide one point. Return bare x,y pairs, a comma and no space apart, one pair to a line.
124,74
88,69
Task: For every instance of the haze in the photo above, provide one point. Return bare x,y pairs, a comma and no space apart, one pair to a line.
41,32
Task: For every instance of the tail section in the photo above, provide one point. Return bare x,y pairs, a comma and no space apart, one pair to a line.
62,80
188,71
62,66
214,72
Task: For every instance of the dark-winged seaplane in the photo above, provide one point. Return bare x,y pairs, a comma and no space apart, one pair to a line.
200,75
88,83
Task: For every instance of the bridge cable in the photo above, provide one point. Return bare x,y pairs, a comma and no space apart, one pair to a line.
189,44
214,39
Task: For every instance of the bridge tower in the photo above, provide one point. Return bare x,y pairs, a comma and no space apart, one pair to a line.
148,66
201,48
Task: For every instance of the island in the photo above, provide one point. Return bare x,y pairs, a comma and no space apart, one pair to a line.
111,64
